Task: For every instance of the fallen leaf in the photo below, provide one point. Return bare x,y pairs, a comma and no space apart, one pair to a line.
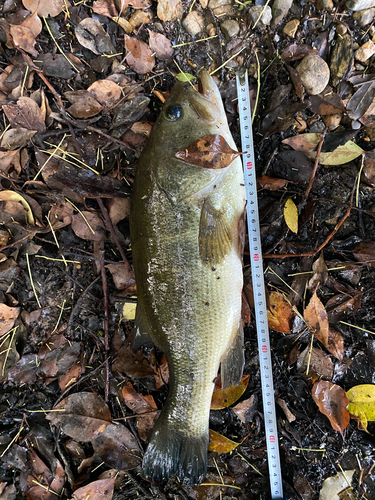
341,155
333,486
209,151
332,402
8,316
9,159
335,344
341,305
117,447
17,138
139,56
91,35
106,8
320,275
365,252
118,209
12,344
45,8
185,77
86,107
25,114
361,400
220,444
161,45
106,92
361,100
328,104
24,39
244,409
291,215
303,142
88,226
169,9
56,65
123,277
82,415
17,198
134,365
140,404
279,313
316,318
313,363
128,311
271,184
48,485
222,398
102,489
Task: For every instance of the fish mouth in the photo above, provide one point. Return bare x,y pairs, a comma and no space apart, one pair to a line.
207,101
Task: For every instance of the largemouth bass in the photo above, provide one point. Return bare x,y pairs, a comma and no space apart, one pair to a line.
186,225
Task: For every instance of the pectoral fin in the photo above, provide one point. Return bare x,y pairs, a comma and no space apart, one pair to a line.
233,362
215,240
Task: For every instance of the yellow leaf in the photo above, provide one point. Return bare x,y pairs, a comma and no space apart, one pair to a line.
12,196
128,311
279,313
291,215
356,412
222,398
221,444
362,403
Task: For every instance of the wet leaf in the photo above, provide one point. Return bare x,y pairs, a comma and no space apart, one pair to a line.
24,39
140,404
340,306
9,159
106,8
122,276
139,56
313,363
335,344
160,45
118,209
8,316
296,51
334,485
332,402
88,226
106,92
44,7
244,409
209,151
50,485
362,403
316,318
360,100
220,444
223,398
365,252
320,275
17,198
85,107
279,312
185,77
291,215
25,114
102,489
328,104
117,447
83,416
271,184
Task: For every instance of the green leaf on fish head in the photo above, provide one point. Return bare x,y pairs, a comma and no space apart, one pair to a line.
209,151
185,77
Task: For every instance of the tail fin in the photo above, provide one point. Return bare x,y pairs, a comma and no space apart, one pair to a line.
173,452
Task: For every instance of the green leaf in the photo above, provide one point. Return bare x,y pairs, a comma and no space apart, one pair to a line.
185,77
362,402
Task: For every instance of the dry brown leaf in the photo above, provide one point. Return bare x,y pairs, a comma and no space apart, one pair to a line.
106,92
48,486
279,313
161,45
135,365
122,276
88,226
139,56
105,8
91,35
86,107
12,196
244,408
82,415
34,23
9,159
8,316
169,9
23,38
25,114
118,209
209,151
45,7
320,275
336,344
316,318
17,138
221,398
332,402
102,489
271,184
140,404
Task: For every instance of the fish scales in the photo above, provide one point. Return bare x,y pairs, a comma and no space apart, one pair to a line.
186,243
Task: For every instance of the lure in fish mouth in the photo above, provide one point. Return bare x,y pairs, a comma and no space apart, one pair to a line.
187,249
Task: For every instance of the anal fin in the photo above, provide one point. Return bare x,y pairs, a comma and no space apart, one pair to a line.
233,362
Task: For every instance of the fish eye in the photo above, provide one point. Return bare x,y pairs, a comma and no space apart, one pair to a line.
173,112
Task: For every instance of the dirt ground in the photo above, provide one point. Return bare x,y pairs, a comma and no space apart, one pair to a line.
80,86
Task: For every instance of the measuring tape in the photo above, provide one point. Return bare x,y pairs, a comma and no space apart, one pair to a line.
260,303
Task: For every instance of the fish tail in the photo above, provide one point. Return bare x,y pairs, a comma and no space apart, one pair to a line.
173,452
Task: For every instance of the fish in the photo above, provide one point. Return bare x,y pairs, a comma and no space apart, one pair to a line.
187,232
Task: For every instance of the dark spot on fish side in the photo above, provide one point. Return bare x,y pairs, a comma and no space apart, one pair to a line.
207,304
213,269
218,277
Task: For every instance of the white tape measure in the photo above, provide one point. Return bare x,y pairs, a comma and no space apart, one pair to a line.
259,288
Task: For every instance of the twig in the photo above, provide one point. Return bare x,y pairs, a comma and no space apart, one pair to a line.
315,164
106,325
113,232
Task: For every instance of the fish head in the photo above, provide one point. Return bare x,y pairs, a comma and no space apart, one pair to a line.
189,114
